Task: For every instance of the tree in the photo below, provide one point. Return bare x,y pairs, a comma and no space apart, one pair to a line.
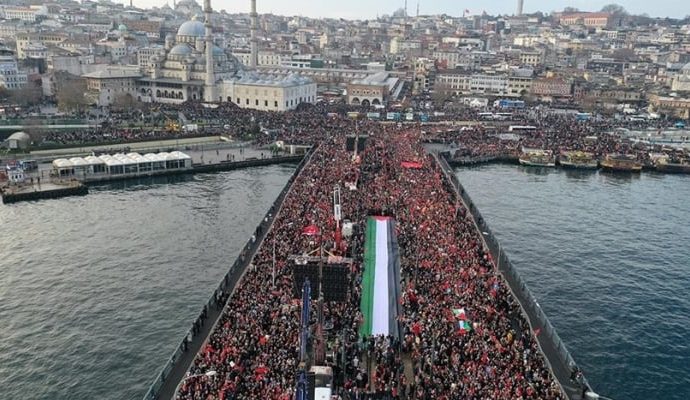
70,93
123,102
28,95
614,9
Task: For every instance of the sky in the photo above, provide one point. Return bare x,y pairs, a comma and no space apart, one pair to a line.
367,9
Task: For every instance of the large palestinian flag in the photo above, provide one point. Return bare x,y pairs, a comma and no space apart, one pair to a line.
381,280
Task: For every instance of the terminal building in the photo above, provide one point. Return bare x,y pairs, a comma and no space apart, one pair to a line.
105,167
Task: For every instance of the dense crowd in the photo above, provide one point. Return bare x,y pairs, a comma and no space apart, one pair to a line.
557,132
487,352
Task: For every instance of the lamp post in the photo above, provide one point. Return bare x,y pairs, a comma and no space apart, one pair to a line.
207,373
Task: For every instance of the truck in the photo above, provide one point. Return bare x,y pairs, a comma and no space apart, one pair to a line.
323,382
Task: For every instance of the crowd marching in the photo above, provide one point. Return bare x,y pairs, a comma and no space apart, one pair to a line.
463,336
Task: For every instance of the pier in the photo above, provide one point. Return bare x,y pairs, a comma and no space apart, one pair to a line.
218,158
40,191
529,325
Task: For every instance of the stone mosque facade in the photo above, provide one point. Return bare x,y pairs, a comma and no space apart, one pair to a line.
192,67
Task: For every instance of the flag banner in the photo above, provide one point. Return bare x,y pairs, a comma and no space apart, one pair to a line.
411,165
381,280
464,326
310,230
460,313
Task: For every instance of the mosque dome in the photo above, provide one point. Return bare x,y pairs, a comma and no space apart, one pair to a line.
217,51
192,28
181,50
122,28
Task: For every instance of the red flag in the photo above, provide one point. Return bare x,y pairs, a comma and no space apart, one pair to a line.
411,165
310,230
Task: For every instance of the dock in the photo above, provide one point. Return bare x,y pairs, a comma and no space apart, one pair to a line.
38,191
52,189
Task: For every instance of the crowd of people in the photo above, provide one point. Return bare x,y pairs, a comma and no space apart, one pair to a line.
554,131
485,351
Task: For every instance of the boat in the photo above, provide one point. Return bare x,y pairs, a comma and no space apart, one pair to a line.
673,165
537,158
577,160
621,163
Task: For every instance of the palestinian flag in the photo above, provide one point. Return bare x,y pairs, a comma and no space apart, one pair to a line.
381,280
464,326
460,313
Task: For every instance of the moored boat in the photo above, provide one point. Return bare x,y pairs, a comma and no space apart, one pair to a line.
621,163
673,165
578,160
537,158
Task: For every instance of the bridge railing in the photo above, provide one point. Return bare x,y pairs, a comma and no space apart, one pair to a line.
552,347
224,289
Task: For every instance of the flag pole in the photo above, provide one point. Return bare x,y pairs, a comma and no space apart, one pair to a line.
273,275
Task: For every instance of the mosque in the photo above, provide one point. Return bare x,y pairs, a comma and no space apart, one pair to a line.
192,67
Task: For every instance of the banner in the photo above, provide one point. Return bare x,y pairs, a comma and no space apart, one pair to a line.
381,280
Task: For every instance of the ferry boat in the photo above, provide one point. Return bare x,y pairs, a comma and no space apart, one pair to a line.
621,163
537,158
673,165
578,160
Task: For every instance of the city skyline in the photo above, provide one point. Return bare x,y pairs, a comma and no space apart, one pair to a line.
361,9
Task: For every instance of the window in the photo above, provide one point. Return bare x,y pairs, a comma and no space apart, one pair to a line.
256,102
265,103
247,101
276,105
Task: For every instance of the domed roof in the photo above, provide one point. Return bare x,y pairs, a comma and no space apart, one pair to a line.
181,50
20,136
217,51
192,28
122,28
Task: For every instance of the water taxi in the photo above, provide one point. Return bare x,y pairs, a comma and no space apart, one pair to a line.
672,165
621,163
537,158
578,160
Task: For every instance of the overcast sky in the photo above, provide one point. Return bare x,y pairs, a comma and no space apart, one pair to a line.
352,9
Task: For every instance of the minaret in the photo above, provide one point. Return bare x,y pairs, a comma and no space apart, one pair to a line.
210,84
254,61
519,9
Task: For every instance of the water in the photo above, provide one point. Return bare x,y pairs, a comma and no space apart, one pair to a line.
607,257
97,291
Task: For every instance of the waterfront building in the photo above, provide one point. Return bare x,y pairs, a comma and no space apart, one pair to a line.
373,90
105,86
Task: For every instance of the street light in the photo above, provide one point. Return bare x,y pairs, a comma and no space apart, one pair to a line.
207,373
